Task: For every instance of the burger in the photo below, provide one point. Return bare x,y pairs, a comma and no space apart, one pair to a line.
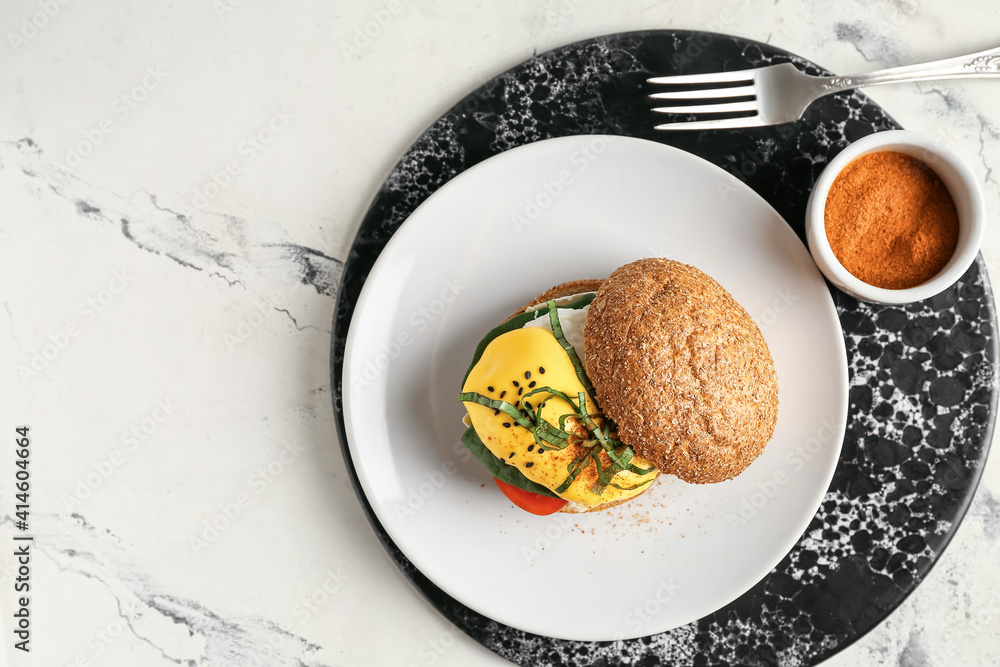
585,396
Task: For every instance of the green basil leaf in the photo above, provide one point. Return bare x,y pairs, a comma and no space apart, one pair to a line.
518,322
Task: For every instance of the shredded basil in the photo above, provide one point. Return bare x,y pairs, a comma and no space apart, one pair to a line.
545,434
518,322
571,352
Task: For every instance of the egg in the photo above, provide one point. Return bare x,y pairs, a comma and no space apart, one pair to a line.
528,359
572,321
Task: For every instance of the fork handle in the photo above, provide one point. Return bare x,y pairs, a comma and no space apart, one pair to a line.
984,63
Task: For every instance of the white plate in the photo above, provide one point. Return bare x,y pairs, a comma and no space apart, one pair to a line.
490,240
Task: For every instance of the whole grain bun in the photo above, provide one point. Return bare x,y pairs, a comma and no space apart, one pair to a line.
561,290
568,289
682,369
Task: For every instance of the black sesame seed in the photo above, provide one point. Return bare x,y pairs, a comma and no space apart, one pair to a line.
527,375
502,393
527,404
531,385
541,370
506,424
530,447
516,384
496,412
528,464
489,388
511,455
519,391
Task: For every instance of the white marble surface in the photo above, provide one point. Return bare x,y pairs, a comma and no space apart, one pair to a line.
187,326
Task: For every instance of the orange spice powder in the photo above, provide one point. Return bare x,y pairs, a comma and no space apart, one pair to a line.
890,220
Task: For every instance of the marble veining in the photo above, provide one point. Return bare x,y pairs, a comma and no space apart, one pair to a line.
181,630
259,260
221,245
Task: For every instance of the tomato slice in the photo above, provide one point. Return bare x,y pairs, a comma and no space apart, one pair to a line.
530,502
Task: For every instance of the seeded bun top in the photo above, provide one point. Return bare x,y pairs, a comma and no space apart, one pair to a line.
682,369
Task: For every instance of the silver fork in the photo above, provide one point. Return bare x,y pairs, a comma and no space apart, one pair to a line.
781,93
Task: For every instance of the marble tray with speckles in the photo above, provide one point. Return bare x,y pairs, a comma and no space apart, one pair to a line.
923,377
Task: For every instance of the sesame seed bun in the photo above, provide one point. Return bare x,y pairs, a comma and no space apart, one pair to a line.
682,370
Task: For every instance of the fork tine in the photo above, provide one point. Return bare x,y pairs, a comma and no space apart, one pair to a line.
707,93
711,108
718,124
711,77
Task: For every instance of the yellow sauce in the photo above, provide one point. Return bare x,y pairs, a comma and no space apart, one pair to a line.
523,360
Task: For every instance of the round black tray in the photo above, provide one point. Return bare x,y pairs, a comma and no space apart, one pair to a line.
922,377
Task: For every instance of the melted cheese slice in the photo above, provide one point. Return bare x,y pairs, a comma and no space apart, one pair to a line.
514,364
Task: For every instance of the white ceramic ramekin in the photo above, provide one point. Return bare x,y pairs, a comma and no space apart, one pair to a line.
961,184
